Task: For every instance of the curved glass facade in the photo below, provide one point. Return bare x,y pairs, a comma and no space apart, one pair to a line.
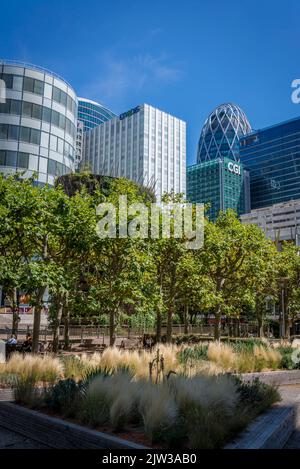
92,113
220,134
38,122
272,155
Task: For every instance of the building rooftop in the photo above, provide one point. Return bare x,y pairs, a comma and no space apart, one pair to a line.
18,63
288,121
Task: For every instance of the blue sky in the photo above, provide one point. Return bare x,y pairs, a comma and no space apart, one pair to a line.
185,57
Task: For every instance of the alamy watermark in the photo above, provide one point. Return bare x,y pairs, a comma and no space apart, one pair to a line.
2,92
295,96
157,221
296,356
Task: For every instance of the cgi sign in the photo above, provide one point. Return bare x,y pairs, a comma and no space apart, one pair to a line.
234,168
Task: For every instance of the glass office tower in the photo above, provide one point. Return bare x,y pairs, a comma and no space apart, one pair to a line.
272,155
92,113
38,121
221,131
221,183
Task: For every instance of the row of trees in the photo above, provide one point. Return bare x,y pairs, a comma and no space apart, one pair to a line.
48,242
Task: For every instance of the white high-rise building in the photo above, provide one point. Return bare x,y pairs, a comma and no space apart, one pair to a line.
144,144
280,222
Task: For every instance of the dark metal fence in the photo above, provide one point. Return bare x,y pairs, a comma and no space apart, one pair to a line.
80,333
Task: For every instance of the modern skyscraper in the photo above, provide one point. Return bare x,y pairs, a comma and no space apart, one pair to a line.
280,222
222,183
218,178
92,113
220,134
37,122
272,155
143,144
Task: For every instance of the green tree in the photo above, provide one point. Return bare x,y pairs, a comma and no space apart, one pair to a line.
227,248
117,264
289,283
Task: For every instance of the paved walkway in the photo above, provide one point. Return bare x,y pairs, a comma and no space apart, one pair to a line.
6,395
13,440
292,394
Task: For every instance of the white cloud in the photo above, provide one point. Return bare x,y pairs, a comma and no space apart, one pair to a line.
119,75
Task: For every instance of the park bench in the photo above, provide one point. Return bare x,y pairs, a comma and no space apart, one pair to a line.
87,343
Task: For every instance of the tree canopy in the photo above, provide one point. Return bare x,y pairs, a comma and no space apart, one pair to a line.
49,245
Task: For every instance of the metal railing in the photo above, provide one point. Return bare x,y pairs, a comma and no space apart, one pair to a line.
80,333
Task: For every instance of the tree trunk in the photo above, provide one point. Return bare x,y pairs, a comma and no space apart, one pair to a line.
259,317
260,326
36,328
171,306
287,327
236,328
293,327
158,325
15,316
159,308
66,329
37,319
55,340
170,323
218,310
286,315
186,318
39,305
217,326
112,337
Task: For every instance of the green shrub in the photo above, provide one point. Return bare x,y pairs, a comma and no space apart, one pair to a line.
25,391
287,362
199,352
95,405
256,396
244,346
64,397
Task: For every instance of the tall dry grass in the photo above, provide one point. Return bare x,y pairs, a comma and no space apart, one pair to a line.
157,408
137,362
45,369
222,355
220,358
24,373
196,411
259,359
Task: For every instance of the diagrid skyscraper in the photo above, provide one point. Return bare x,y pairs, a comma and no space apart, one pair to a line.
143,144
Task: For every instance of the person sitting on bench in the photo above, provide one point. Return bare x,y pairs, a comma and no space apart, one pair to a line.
11,345
27,344
12,340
